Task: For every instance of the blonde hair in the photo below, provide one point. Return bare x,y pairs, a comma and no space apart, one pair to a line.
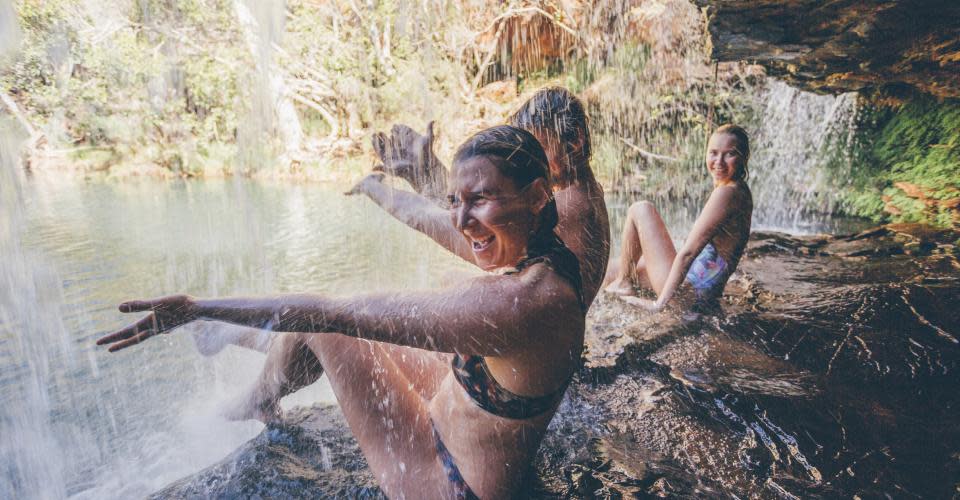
743,147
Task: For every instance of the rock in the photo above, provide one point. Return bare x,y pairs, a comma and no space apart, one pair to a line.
528,39
845,45
310,455
501,92
828,375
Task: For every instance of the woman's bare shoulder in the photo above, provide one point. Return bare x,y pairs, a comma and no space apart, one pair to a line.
545,286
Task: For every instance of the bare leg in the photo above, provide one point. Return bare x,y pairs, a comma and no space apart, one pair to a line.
424,370
290,366
390,421
211,339
647,252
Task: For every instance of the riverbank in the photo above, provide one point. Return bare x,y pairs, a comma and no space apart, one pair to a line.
832,373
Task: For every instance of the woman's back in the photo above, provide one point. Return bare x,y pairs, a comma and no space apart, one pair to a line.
732,234
584,227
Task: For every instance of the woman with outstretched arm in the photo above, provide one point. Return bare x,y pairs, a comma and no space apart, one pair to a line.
500,349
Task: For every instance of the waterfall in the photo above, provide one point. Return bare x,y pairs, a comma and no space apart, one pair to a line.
800,151
33,341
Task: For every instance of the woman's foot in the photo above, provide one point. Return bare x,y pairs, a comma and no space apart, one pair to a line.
246,407
211,339
621,286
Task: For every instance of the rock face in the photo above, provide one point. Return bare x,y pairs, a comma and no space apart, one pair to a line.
846,45
832,374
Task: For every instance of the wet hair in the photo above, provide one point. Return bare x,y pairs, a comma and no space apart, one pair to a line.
518,155
557,113
743,147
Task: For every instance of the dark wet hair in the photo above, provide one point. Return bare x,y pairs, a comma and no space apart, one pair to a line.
558,113
743,147
518,155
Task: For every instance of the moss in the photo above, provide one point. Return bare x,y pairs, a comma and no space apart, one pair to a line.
908,163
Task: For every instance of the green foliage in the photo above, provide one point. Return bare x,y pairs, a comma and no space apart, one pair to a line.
145,79
908,163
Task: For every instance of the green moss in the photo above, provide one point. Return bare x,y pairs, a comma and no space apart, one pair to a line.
908,163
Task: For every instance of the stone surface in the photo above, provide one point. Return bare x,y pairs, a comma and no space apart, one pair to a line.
831,374
846,45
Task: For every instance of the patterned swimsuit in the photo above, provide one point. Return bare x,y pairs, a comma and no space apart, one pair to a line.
708,275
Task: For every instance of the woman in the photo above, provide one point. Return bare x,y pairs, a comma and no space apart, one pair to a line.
557,118
511,342
712,249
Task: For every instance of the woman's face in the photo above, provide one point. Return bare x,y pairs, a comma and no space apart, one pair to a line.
494,216
723,158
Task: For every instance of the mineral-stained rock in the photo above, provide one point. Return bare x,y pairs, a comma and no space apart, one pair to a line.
832,373
845,45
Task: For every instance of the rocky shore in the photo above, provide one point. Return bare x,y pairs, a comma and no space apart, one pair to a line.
832,371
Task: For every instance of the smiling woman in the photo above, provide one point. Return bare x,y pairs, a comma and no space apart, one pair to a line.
712,249
467,408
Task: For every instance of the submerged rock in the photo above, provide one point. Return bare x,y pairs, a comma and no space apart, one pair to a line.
832,373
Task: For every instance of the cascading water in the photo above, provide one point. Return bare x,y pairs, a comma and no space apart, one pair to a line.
800,147
30,302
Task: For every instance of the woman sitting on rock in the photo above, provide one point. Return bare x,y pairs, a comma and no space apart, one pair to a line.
557,118
712,249
495,354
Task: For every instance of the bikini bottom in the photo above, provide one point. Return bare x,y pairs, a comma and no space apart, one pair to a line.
461,490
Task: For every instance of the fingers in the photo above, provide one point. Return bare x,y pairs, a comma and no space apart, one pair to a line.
138,305
395,149
141,326
379,141
136,339
402,169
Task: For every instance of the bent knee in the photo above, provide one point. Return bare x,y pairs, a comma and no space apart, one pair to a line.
641,208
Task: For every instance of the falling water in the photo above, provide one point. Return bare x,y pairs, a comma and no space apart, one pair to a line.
30,299
800,150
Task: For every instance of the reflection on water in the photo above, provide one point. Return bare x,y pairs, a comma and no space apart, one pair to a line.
79,421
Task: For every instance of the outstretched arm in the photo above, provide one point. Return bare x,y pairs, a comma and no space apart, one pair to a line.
416,211
485,317
719,207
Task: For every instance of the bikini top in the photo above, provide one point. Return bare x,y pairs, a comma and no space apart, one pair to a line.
474,375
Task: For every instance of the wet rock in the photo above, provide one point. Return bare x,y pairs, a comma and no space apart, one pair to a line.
843,46
832,372
311,454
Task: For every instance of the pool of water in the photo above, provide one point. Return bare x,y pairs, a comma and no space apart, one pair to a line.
77,421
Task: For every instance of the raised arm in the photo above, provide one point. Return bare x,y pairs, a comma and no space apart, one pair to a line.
416,211
719,207
489,316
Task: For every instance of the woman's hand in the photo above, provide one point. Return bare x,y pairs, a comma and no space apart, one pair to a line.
649,305
166,313
363,187
408,155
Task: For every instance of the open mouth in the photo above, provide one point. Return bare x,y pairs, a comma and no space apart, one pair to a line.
482,244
